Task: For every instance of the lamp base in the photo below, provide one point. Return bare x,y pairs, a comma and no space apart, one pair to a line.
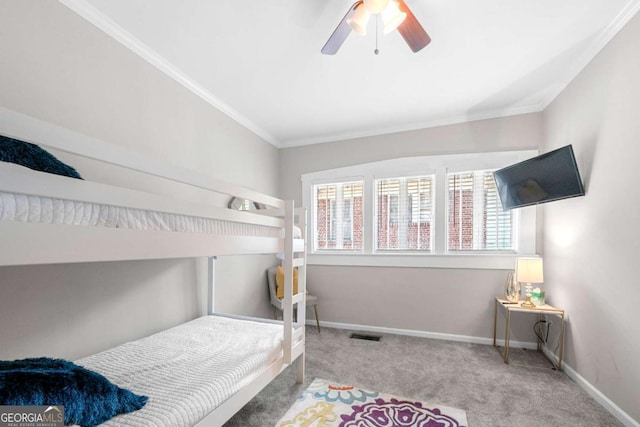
527,303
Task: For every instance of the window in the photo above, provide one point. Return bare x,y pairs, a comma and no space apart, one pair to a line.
338,216
403,213
476,220
423,211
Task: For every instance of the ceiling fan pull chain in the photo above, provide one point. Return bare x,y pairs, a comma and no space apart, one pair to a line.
377,51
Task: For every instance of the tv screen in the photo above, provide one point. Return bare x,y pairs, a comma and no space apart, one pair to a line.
545,178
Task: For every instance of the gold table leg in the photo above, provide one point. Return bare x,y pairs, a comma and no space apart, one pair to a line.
561,341
495,320
506,337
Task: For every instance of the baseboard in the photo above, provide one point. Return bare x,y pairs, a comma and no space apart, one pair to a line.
596,394
423,334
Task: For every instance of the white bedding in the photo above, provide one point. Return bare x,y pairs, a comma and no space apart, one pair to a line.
189,370
22,208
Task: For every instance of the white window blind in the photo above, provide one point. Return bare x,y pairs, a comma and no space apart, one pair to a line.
404,213
338,216
476,220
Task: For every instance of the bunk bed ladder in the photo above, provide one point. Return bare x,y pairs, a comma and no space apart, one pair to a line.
294,329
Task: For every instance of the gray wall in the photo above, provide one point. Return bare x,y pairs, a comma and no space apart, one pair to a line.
591,243
59,68
518,132
407,298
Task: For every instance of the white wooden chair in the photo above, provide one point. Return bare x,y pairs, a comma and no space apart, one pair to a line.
277,302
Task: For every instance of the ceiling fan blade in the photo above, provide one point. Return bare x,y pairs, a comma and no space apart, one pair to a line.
411,30
340,33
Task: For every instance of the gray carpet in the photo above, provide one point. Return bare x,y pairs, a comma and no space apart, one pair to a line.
466,376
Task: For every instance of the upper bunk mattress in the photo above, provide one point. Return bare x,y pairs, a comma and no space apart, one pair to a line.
189,370
36,209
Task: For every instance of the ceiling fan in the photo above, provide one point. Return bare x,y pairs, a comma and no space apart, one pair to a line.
395,15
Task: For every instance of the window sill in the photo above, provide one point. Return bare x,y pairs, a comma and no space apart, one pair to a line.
461,261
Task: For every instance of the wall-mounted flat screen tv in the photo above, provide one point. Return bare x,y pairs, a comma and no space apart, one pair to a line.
545,178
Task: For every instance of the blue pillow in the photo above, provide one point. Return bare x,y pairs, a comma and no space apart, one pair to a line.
33,157
88,398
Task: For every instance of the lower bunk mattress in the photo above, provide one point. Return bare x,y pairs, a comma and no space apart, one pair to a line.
189,370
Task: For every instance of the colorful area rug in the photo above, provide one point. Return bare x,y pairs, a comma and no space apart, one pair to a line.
327,404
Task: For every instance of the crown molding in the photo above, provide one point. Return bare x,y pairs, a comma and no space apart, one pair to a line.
414,126
605,36
101,21
111,28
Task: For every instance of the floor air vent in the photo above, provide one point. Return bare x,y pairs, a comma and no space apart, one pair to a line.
365,337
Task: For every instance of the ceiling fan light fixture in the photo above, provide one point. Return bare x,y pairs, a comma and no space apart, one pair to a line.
399,17
392,16
376,6
358,22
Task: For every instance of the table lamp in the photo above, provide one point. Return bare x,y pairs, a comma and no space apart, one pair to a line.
528,271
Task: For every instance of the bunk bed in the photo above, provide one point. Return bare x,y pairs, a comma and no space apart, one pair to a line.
52,219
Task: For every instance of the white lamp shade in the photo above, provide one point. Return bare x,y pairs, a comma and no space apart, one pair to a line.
358,22
392,17
375,6
529,270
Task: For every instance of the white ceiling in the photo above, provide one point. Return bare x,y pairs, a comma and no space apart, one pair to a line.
260,62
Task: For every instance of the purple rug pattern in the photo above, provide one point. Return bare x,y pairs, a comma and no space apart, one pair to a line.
328,404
